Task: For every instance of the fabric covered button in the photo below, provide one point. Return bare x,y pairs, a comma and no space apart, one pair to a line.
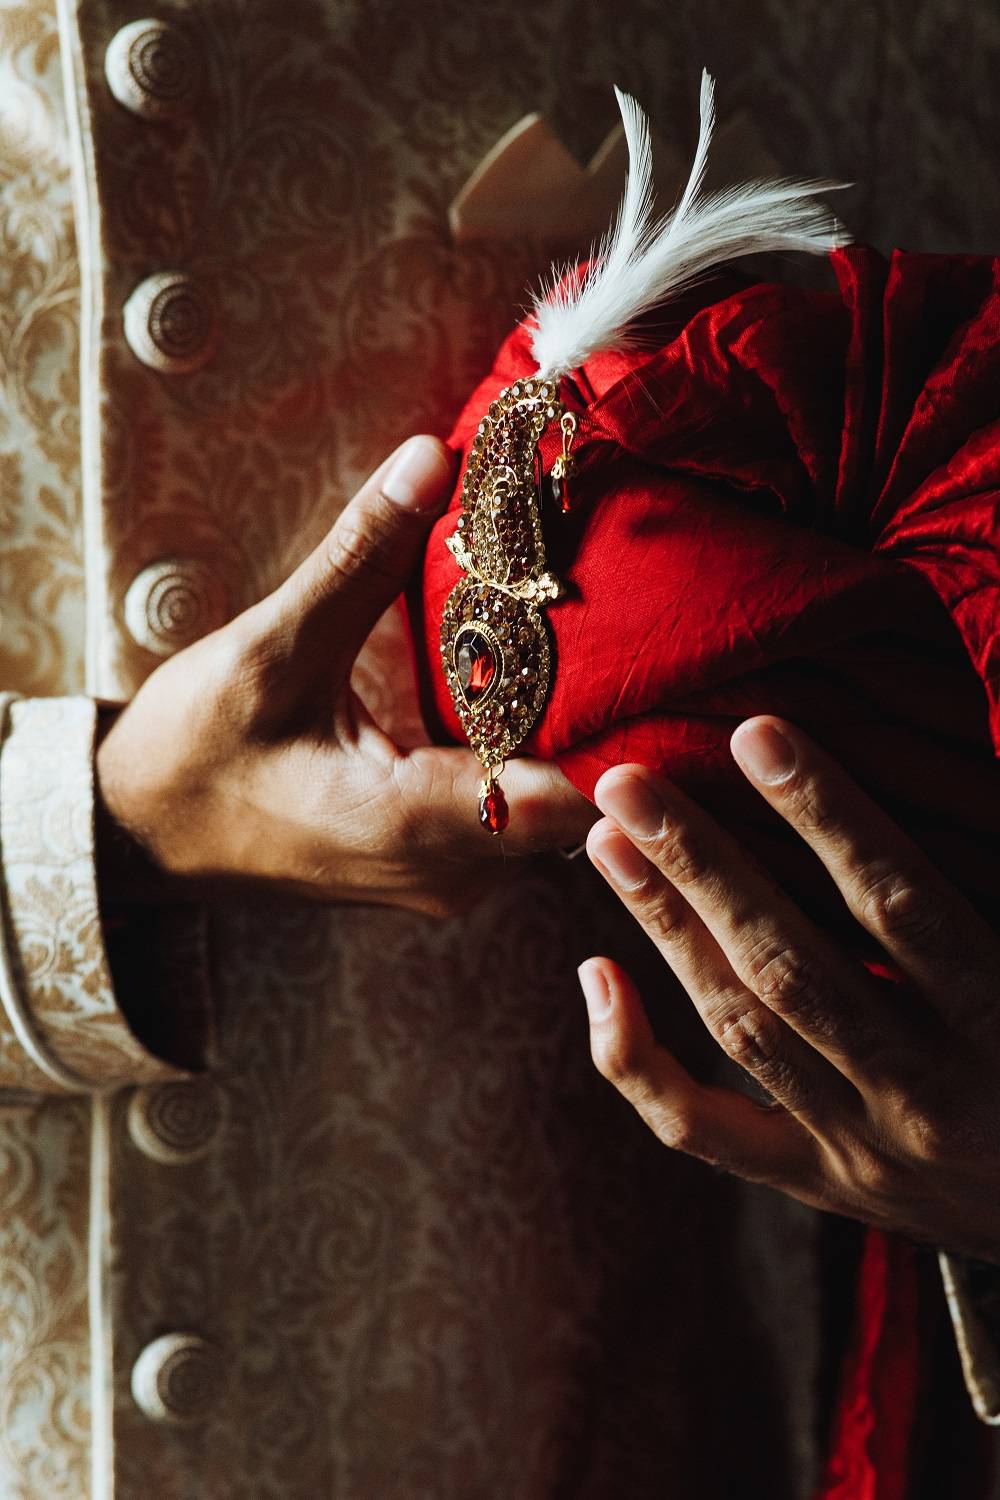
178,1379
152,69
173,602
175,1123
170,324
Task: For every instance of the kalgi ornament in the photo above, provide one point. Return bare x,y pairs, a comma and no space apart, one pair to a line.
495,647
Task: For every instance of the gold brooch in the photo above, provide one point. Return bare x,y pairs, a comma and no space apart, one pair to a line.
495,646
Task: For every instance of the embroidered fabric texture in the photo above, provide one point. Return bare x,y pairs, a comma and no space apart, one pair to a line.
18,1013
64,1006
364,1092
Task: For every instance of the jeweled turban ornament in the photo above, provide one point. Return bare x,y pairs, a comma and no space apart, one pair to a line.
495,646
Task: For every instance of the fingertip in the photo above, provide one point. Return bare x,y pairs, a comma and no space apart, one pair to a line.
596,987
612,778
764,750
758,721
621,1038
615,857
597,834
419,475
614,990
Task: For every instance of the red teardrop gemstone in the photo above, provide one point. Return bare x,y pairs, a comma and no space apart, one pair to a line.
494,814
560,492
476,665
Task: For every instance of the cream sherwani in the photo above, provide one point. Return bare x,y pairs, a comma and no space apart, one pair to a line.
398,1241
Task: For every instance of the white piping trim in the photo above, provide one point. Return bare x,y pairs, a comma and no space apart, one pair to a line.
18,1014
102,1437
90,262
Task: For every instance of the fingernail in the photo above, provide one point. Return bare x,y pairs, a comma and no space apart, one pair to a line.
633,803
764,752
596,990
626,865
417,478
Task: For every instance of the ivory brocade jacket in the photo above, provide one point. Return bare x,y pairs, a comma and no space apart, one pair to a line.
392,1238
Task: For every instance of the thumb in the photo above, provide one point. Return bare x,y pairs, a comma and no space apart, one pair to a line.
336,595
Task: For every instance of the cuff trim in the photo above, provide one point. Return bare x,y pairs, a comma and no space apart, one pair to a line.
64,1024
10,993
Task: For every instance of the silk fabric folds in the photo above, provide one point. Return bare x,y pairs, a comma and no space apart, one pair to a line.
792,506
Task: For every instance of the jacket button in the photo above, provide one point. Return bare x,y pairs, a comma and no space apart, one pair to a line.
175,1123
169,323
152,69
178,1379
173,602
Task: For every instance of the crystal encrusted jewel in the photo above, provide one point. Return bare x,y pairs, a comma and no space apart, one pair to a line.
494,643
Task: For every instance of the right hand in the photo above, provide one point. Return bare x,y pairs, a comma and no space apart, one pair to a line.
248,757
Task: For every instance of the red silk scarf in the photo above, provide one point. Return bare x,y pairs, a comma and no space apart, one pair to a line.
793,507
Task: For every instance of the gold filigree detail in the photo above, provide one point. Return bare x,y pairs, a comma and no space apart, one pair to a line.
495,647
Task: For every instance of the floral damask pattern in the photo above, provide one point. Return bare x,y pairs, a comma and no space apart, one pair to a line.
442,1260
41,581
53,920
44,1333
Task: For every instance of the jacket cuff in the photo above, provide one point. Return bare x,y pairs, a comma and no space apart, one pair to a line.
61,1028
973,1291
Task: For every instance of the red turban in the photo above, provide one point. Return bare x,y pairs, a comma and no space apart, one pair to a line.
792,507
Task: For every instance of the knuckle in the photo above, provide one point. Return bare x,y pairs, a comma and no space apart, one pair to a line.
870,1173
894,907
928,1138
750,1037
815,810
681,855
617,1059
676,1127
789,982
360,545
664,919
800,989
753,1040
932,1136
680,1127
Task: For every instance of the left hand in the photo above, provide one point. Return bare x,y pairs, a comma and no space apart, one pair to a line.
886,1097
248,758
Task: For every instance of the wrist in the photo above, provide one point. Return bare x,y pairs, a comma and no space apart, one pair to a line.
127,870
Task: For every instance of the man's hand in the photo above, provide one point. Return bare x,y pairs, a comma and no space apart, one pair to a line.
248,757
886,1097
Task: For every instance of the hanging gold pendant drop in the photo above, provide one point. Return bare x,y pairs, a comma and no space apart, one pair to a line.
565,464
495,646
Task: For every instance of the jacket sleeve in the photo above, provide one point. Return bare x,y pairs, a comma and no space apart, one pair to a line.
62,1028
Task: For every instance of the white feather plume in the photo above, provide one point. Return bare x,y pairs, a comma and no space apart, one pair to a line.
642,261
